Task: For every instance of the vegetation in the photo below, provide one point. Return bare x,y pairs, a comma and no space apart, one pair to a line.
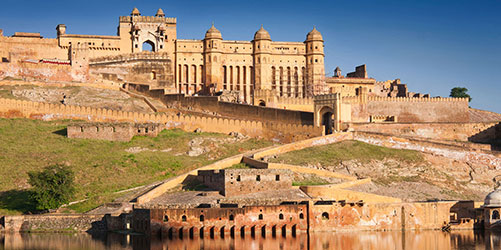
239,166
101,167
52,187
460,92
333,154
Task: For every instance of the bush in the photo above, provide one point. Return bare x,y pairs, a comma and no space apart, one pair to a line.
52,187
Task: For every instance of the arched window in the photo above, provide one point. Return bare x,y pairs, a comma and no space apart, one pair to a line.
186,74
301,216
325,216
281,216
183,218
202,217
166,218
495,215
148,46
194,73
231,217
260,216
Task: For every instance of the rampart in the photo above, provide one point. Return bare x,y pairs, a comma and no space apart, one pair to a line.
57,223
482,132
408,109
276,131
231,110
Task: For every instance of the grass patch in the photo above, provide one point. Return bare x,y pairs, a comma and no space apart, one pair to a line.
332,154
101,167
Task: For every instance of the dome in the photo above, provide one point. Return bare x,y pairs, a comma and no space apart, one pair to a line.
135,12
493,199
262,34
160,13
213,33
314,35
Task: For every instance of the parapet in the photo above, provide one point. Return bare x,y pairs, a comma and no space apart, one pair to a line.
27,34
147,19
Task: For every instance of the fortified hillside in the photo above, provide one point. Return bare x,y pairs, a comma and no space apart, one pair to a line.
102,168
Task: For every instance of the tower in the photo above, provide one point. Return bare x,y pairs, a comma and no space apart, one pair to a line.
212,60
262,59
315,71
158,31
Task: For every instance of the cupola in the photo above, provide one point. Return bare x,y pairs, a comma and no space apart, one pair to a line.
213,33
314,35
262,34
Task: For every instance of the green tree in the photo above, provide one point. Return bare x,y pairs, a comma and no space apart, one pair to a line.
52,187
460,92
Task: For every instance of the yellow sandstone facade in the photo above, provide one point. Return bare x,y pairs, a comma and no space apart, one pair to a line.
206,66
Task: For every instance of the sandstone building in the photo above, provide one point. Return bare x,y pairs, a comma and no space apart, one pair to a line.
209,65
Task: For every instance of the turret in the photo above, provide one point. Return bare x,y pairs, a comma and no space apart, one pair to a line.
61,29
315,63
160,13
135,12
212,60
262,59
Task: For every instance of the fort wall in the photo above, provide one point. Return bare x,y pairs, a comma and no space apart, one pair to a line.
408,109
211,104
45,111
57,223
112,131
482,132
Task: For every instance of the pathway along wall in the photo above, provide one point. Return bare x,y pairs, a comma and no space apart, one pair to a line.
10,108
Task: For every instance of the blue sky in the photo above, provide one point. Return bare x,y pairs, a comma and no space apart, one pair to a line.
432,46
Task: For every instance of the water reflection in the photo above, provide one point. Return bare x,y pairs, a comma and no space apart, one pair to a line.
354,240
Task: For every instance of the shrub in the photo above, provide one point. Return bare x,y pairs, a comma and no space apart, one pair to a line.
52,187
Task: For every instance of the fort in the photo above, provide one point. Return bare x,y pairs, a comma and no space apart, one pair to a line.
272,90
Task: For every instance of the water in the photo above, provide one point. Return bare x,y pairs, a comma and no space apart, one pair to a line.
354,240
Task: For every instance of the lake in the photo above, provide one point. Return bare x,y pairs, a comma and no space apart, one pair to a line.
346,240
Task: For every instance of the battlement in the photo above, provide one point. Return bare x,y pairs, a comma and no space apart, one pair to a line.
416,99
279,131
147,19
145,55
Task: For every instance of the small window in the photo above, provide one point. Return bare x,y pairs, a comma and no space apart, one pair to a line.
114,129
325,216
281,216
260,216
316,60
139,130
301,216
277,177
202,217
231,217
136,46
238,178
146,130
258,177
183,218
495,215
81,129
166,218
161,46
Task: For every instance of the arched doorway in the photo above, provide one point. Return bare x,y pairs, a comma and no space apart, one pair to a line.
148,46
262,103
326,114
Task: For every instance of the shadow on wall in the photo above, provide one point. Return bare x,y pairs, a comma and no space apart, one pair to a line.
98,226
17,200
192,183
61,132
490,136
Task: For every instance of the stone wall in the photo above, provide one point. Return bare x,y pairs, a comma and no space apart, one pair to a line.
214,222
484,132
233,182
413,110
10,108
55,222
212,105
345,216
